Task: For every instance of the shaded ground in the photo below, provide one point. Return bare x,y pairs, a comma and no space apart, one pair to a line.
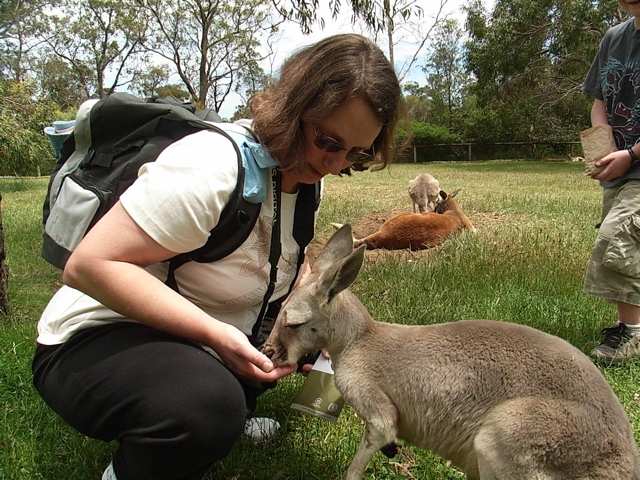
371,224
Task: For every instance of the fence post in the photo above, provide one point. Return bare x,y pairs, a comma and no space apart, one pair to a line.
4,271
415,154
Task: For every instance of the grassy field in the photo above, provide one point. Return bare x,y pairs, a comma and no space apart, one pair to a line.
525,264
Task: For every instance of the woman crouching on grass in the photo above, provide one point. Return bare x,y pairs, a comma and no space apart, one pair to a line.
172,375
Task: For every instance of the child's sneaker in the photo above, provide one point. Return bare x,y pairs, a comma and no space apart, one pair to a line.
618,345
261,429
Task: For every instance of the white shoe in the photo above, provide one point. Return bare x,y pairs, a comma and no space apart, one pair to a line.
109,474
261,429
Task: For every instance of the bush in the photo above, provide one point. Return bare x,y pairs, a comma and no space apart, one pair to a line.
24,148
428,134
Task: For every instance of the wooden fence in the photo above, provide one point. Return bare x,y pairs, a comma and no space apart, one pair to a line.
473,152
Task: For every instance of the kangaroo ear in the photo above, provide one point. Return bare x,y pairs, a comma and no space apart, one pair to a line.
338,247
454,193
341,275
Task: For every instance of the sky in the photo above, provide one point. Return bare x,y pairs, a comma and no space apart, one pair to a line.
292,39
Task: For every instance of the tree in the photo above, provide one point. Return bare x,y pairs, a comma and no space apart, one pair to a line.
304,12
375,14
21,23
155,83
418,102
210,43
59,83
96,37
530,58
400,21
446,75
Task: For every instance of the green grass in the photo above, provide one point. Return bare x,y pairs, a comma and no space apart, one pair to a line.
525,264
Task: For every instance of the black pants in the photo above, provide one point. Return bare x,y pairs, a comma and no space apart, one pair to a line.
173,408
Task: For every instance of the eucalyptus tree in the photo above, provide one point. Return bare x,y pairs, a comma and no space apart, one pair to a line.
21,26
446,75
373,13
23,146
149,82
59,83
530,58
155,82
211,44
417,101
401,22
100,40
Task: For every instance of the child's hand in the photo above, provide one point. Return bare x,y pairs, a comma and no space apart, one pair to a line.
305,368
615,165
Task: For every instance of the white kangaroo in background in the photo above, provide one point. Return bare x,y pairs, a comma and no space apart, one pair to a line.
500,400
424,191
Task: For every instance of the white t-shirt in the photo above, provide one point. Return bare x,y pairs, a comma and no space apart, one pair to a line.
177,201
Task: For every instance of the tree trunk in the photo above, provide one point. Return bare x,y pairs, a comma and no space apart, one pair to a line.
4,271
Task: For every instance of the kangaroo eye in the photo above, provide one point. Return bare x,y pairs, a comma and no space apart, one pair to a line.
294,326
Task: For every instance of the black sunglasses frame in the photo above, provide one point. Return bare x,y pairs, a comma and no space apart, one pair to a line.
331,145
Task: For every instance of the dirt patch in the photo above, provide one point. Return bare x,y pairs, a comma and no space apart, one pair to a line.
371,224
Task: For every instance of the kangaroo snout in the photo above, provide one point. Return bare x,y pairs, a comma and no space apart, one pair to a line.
270,351
278,354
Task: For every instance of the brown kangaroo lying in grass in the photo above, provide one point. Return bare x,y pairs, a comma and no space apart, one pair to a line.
500,400
420,230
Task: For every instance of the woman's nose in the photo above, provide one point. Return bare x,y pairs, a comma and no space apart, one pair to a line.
335,162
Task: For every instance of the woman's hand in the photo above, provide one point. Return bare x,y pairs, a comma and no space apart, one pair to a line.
615,165
243,359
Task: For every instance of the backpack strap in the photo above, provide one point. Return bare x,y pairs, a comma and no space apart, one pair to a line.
309,198
275,250
236,223
304,219
208,114
307,205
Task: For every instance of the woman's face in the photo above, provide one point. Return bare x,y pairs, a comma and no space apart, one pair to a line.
353,124
632,7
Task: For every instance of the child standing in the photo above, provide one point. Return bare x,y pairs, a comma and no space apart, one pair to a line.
613,272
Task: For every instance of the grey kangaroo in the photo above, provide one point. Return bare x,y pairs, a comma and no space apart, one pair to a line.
500,400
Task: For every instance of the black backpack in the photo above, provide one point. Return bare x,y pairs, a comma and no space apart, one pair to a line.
112,138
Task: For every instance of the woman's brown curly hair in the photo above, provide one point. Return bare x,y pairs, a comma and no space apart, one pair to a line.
317,79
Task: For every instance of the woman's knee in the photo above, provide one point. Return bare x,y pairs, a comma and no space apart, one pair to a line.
202,405
213,418
181,431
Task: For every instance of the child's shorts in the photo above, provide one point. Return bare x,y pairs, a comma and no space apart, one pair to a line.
613,272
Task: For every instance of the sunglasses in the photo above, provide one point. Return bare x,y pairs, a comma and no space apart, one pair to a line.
328,144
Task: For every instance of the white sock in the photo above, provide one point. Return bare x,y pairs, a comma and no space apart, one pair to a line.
109,474
634,329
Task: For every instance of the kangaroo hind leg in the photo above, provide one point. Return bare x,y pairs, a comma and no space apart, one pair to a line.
539,439
372,441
